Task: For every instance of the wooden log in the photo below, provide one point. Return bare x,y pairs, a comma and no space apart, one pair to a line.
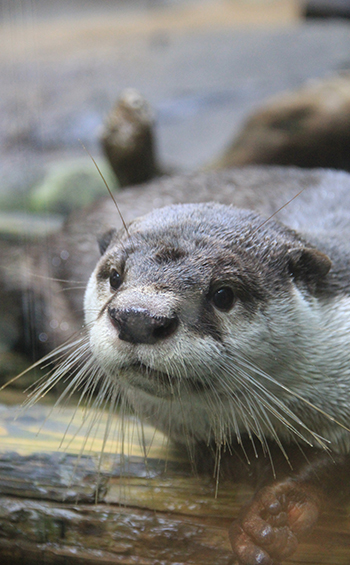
148,511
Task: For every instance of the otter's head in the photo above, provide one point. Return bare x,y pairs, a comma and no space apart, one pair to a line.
192,307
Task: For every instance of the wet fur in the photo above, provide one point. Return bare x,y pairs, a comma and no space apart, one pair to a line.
269,377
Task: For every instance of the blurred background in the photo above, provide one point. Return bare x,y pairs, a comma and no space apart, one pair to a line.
204,66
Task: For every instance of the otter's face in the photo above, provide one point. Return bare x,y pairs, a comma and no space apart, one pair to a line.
178,299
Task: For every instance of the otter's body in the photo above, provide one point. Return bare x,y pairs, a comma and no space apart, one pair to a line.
218,324
262,189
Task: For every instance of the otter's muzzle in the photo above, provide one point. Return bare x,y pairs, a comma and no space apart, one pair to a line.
138,325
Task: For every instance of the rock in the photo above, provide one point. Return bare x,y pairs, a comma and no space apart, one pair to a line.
307,128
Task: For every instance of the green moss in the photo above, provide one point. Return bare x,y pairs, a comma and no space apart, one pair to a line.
70,185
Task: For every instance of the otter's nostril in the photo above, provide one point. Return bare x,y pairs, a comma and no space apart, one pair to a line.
166,329
140,326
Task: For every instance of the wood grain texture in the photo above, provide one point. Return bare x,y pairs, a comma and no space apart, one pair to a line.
147,512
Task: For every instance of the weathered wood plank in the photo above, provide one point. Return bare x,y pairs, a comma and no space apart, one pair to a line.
154,512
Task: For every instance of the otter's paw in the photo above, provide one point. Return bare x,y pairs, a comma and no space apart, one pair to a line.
269,528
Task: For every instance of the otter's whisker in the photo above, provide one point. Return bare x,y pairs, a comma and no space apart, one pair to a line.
95,376
266,396
63,371
296,395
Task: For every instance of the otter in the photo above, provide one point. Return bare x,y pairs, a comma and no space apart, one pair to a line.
217,323
228,329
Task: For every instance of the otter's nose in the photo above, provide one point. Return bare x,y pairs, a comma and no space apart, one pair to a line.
138,325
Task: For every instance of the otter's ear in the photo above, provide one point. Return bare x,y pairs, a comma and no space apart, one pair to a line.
105,239
308,264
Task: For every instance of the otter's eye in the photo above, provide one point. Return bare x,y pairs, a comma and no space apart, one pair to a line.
115,279
223,298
